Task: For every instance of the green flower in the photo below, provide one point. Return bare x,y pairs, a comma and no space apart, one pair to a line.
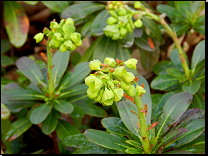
68,29
138,23
107,98
131,63
89,78
118,94
125,86
54,25
78,44
110,61
75,37
140,90
69,21
95,65
111,20
121,12
69,44
91,94
137,4
132,91
120,71
99,96
123,31
110,84
63,48
95,84
129,77
39,37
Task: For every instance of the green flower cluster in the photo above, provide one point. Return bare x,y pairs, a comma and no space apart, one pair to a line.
109,83
115,5
120,23
61,36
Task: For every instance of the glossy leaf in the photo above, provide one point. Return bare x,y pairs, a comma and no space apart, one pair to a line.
115,125
63,106
94,150
57,6
17,128
128,41
6,61
161,67
60,61
174,72
199,66
191,86
81,10
21,94
80,71
65,129
138,32
142,42
169,10
38,114
77,112
5,113
155,100
35,88
135,144
99,23
16,23
30,69
102,49
198,102
196,149
122,53
5,46
49,124
133,151
162,82
174,107
199,54
86,29
105,139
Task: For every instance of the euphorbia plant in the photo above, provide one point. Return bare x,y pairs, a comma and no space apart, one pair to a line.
174,127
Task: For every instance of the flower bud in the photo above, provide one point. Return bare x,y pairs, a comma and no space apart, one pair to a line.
110,84
116,35
112,13
110,61
107,97
62,48
140,90
110,6
91,94
138,23
75,37
69,21
111,20
116,82
54,25
120,71
79,43
39,37
123,31
95,65
121,12
99,96
132,91
125,86
129,77
137,4
128,27
118,94
69,44
95,84
89,78
68,29
131,63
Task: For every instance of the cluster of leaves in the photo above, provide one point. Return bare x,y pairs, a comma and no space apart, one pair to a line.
185,15
171,77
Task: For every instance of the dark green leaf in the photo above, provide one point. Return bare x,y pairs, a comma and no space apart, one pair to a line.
133,151
5,113
6,61
102,49
200,29
30,69
86,29
94,150
60,60
180,29
162,82
198,55
169,10
178,152
49,124
12,86
142,42
99,23
65,129
138,32
122,53
63,106
16,23
5,46
174,72
196,149
161,67
105,139
198,102
135,144
128,41
191,86
115,125
81,10
17,128
199,67
155,100
35,88
38,114
77,112
57,6
174,107
75,58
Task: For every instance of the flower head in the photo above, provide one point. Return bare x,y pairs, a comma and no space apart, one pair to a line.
131,63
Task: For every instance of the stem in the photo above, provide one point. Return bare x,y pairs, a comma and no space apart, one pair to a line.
50,74
175,39
54,137
143,126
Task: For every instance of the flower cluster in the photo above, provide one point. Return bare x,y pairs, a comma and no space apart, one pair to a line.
115,5
110,82
120,23
61,36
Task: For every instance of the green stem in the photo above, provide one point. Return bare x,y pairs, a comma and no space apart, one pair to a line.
50,74
143,126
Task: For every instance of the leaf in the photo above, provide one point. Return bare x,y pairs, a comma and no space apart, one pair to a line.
178,152
49,124
38,114
174,107
174,56
169,10
122,53
17,128
80,71
162,82
65,129
81,10
153,27
93,150
35,88
135,144
60,60
155,100
138,32
16,23
142,42
30,69
196,149
174,72
161,67
180,29
198,102
105,140
191,86
86,29
76,56
21,94
6,61
57,6
102,49
198,55
31,2
77,112
5,113
115,125
63,106
99,23
133,151
199,67
128,41
5,46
